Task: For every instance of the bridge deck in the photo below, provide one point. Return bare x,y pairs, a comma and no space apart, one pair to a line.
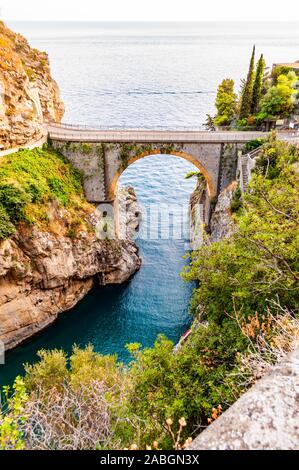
72,133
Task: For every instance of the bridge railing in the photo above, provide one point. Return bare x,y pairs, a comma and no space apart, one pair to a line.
254,153
84,127
151,136
77,128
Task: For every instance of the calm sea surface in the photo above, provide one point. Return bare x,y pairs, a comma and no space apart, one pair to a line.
148,75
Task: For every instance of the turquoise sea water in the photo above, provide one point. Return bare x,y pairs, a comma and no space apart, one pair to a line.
151,76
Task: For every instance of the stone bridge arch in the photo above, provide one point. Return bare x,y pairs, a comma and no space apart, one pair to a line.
102,163
102,155
102,159
113,182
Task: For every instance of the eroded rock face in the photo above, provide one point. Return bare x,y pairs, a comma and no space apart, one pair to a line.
198,205
28,94
222,225
42,275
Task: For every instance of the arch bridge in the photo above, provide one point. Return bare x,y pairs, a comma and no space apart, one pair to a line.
102,155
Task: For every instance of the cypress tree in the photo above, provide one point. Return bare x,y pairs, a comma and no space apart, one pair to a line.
257,86
246,98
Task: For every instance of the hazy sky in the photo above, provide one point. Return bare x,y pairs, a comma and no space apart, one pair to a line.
149,10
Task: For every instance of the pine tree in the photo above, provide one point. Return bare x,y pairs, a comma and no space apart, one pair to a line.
246,98
257,86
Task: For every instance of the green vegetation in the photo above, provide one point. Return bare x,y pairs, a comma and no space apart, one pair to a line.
124,155
30,180
280,98
127,151
264,98
6,227
260,262
86,148
252,145
237,202
226,103
11,436
279,70
247,91
258,85
246,298
191,174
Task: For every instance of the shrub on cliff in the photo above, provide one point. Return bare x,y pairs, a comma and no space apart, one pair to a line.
252,145
264,98
14,200
66,403
6,227
247,89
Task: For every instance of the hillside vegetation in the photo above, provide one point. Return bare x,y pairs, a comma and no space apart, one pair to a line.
39,188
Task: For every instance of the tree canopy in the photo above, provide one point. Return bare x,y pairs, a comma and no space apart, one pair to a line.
280,98
226,103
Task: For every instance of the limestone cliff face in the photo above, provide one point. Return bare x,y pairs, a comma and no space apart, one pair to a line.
43,274
198,203
221,224
28,93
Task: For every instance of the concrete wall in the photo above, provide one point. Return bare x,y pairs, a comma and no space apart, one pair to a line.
265,417
29,146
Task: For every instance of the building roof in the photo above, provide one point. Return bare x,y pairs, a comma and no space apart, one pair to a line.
292,65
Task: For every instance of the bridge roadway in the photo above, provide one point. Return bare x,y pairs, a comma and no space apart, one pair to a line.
67,132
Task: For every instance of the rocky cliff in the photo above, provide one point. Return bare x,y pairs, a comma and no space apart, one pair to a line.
28,93
221,223
129,213
43,274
